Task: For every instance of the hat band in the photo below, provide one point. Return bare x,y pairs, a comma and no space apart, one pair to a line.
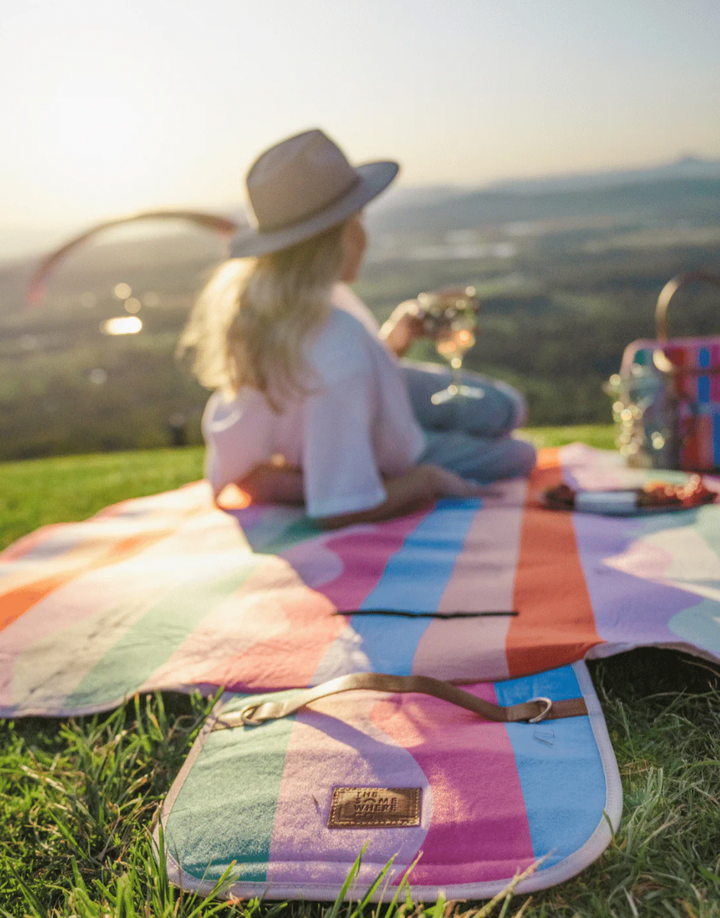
326,205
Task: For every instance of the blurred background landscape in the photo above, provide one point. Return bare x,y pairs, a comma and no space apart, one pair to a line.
568,271
564,159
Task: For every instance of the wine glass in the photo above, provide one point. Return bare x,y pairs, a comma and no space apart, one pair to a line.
451,319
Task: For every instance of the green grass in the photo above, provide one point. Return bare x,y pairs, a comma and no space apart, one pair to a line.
78,796
66,488
601,436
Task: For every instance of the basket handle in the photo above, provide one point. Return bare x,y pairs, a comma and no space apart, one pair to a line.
667,292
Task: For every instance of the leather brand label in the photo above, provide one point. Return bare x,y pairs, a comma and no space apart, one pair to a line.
375,807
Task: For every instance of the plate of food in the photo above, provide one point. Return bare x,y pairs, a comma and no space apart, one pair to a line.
652,497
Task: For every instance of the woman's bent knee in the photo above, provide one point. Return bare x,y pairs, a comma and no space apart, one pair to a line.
524,457
507,458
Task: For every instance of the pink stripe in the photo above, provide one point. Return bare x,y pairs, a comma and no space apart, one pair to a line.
364,552
245,632
479,830
70,629
482,580
293,629
29,542
344,750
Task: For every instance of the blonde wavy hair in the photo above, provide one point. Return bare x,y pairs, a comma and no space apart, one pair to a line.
250,322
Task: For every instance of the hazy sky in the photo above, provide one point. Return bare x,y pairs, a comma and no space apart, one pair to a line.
108,107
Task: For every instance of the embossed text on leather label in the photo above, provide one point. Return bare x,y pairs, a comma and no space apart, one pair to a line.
375,807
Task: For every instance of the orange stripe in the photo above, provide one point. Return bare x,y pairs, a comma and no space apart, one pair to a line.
72,559
16,602
556,624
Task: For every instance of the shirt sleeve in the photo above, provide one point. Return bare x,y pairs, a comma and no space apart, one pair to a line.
340,472
237,441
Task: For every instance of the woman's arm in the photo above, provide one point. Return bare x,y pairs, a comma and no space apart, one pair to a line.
406,493
270,483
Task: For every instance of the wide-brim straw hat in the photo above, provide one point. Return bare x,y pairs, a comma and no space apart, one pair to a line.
301,187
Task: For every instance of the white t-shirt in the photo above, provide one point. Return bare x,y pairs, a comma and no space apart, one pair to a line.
354,426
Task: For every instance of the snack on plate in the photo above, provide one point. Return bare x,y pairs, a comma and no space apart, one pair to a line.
653,496
693,493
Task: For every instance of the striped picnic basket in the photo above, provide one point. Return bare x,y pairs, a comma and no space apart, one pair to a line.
667,394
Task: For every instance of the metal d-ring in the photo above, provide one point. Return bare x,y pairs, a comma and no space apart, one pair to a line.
544,713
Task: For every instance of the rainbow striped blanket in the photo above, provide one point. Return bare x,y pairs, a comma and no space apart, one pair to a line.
167,592
259,805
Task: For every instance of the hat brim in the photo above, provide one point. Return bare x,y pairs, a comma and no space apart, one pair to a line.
372,179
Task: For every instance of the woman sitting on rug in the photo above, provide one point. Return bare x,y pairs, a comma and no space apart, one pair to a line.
312,404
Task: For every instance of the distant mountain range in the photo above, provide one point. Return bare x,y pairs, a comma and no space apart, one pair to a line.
687,189
687,167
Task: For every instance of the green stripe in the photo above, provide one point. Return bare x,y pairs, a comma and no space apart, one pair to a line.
225,811
706,524
297,532
151,641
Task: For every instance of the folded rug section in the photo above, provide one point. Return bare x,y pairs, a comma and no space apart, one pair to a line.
168,592
283,809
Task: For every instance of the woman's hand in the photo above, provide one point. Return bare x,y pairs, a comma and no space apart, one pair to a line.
406,323
403,328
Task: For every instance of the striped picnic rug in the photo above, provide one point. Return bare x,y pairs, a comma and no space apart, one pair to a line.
168,592
255,805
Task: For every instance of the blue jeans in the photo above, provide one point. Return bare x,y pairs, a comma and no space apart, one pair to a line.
469,436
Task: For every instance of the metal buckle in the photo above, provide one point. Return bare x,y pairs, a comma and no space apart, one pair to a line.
544,713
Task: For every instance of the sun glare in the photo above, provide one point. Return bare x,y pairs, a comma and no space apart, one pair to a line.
122,325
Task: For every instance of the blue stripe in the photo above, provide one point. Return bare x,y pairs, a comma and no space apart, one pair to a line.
704,381
389,644
413,581
559,766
